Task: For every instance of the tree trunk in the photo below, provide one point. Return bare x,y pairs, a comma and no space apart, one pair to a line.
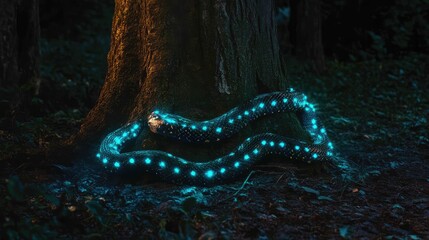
196,58
19,56
307,16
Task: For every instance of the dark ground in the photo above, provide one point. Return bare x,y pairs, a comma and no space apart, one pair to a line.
376,112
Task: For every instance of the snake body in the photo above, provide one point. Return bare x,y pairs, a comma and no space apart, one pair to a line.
228,167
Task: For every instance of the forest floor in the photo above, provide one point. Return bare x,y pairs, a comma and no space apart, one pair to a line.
376,113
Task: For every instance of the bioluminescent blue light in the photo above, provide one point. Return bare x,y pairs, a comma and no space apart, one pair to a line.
117,164
282,144
295,100
204,128
193,173
132,160
124,134
239,117
209,173
98,155
183,125
232,154
231,121
176,170
193,127
156,111
253,109
297,147
136,126
255,151
273,103
261,105
218,129
170,120
170,155
307,109
246,157
272,144
222,170
147,160
307,149
322,130
328,153
314,126
315,155
236,164
284,100
105,160
291,90
330,145
246,113
162,164
117,140
264,142
313,121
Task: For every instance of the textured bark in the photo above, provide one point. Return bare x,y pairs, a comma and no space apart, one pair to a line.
19,54
308,43
196,58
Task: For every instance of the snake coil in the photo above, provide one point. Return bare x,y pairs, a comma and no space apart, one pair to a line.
225,168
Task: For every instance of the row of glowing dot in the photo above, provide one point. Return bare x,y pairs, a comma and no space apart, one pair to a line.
210,173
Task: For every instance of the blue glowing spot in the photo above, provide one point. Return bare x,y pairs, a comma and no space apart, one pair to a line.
134,135
307,149
193,173
284,100
273,103
98,155
117,164
261,105
147,160
282,144
170,120
246,113
169,154
222,170
162,164
272,144
232,154
307,109
314,126
329,153
239,117
236,164
253,109
117,140
255,151
323,130
210,173
176,170
297,147
105,160
193,127
295,100
132,160
124,134
231,121
218,129
204,128
315,155
184,125
330,145
313,121
263,142
246,157
291,90
136,126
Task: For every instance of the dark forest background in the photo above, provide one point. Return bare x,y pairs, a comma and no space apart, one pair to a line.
371,81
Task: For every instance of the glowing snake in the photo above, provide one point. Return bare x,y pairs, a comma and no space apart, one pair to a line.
228,167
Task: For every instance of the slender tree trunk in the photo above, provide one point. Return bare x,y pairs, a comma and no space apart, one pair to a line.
19,55
196,58
308,32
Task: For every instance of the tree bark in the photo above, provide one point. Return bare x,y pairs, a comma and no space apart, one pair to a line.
19,55
307,16
196,58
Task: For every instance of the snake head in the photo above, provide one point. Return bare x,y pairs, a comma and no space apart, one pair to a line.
154,121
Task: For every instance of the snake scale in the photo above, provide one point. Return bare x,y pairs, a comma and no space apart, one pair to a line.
232,165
